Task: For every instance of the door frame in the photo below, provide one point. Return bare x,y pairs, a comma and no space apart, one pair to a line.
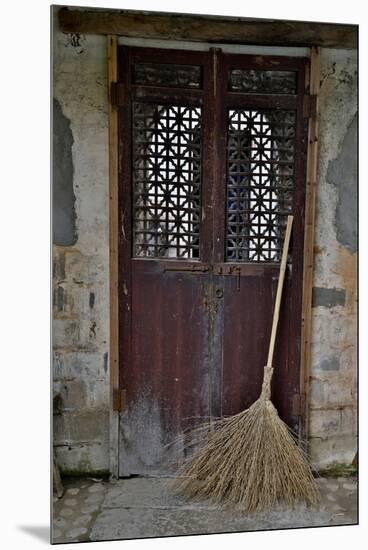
116,396
114,418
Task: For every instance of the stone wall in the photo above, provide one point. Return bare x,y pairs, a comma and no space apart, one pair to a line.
81,259
81,253
333,392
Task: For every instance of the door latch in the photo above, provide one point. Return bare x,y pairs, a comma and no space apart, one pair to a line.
238,272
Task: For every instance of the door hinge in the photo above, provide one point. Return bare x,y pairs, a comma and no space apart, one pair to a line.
119,400
310,106
116,93
298,406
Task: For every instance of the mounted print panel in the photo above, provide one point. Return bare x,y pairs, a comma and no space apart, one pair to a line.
182,161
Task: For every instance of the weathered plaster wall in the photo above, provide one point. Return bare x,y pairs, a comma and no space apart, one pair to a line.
333,371
81,253
81,300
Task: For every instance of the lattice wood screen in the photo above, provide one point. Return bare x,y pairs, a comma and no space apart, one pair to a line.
166,180
260,182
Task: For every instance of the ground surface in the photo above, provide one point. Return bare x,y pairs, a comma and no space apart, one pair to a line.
95,510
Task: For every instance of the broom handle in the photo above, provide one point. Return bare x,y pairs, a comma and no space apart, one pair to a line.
279,290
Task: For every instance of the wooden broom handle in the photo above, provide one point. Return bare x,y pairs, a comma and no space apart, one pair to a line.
280,284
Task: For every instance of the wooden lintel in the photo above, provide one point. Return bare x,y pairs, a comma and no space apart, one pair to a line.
208,28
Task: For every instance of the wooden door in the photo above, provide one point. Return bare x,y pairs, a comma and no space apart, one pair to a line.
211,161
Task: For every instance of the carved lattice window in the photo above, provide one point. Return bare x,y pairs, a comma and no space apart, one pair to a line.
263,82
166,180
233,117
171,75
260,182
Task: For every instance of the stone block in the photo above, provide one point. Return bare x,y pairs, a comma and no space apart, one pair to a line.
84,395
78,427
326,423
333,449
78,459
332,389
83,365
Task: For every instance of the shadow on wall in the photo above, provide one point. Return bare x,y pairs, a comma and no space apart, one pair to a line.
63,201
342,173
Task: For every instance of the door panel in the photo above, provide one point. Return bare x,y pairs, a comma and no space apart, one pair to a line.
248,313
212,160
167,380
265,149
164,344
245,339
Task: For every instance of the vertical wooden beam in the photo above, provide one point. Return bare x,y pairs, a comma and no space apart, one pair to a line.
112,76
312,159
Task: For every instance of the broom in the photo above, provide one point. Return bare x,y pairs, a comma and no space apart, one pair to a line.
250,459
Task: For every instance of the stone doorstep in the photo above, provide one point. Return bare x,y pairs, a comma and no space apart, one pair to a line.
143,507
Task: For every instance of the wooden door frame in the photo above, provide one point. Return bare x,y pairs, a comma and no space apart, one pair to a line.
112,75
312,83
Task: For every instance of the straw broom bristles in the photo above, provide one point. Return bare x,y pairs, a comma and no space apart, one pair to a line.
251,459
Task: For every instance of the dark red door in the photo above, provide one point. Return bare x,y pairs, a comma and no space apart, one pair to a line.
212,153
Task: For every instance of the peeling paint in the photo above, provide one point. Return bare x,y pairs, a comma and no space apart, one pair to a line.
105,361
64,216
330,363
92,330
75,40
342,173
59,298
72,332
58,266
346,264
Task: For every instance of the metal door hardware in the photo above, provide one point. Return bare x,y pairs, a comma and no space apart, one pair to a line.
119,399
189,268
219,293
238,272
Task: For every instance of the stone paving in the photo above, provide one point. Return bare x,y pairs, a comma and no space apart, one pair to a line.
97,510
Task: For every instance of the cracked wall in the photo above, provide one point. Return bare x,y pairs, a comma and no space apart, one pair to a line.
333,395
81,253
81,277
